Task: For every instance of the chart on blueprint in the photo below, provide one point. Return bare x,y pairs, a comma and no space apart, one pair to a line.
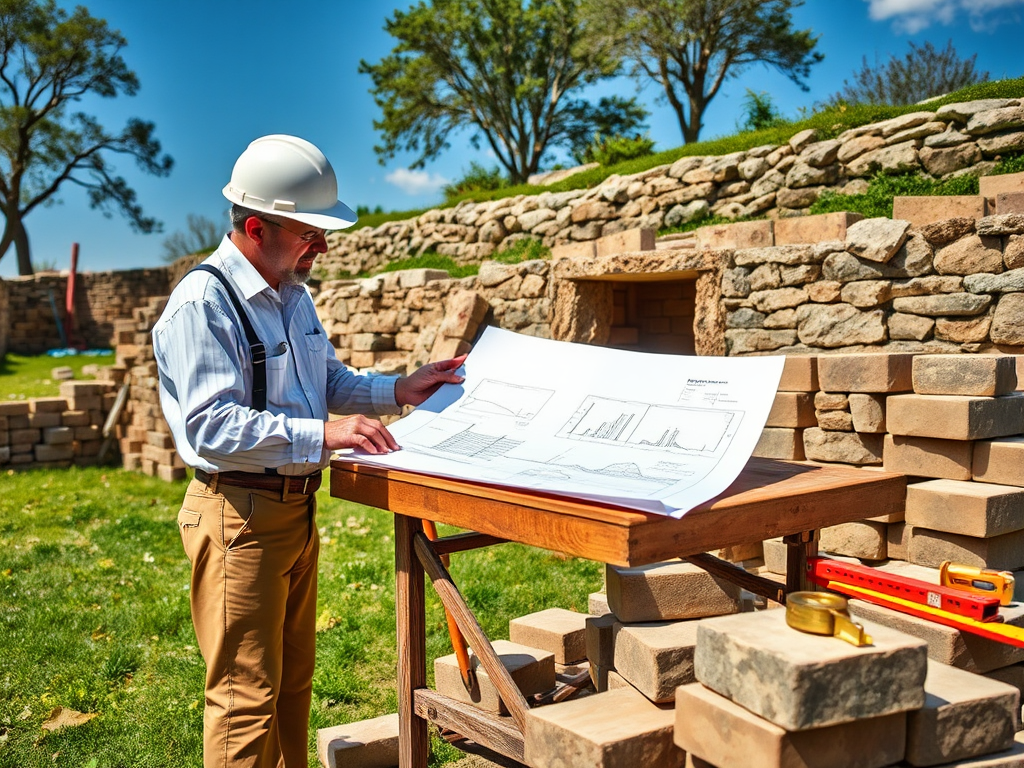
661,433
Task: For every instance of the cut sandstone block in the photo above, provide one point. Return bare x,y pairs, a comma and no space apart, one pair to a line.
955,417
1011,675
667,591
897,541
931,548
555,630
970,509
921,210
532,670
1009,202
716,730
875,373
928,457
862,539
780,443
792,409
366,744
775,556
616,729
964,715
597,604
638,239
991,186
600,640
1000,461
744,234
799,374
616,681
656,658
798,680
797,230
978,375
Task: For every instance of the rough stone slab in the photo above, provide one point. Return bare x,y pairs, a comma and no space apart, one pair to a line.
814,229
874,373
970,509
839,325
1011,675
597,604
780,443
868,412
843,447
799,374
931,548
656,658
532,670
555,630
928,457
365,744
876,240
1000,461
717,731
835,421
864,540
792,409
955,417
667,591
977,375
637,239
616,729
964,716
599,637
798,680
928,209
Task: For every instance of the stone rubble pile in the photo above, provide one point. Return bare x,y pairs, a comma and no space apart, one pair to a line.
768,180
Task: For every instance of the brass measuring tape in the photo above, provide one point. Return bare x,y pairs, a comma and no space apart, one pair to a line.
821,613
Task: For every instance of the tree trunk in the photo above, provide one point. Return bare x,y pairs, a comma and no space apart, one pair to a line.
21,246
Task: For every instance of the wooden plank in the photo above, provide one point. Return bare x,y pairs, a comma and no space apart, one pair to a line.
477,638
463,542
410,608
749,581
492,731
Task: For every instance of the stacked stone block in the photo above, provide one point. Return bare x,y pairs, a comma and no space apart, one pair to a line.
57,432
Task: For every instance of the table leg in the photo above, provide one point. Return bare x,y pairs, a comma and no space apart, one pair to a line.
410,606
802,546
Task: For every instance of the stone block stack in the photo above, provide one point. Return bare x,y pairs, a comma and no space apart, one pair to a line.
57,432
143,433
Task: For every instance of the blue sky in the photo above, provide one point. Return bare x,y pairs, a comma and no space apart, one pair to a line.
215,75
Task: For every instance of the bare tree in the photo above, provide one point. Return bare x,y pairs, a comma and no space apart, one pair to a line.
690,47
201,234
921,73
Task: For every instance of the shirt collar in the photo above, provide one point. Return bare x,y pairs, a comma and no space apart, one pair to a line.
244,275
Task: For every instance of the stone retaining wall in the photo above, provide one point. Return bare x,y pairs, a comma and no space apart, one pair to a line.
770,180
101,298
5,320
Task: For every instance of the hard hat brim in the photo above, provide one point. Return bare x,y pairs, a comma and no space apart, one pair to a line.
338,216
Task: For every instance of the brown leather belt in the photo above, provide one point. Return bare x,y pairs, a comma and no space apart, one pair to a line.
306,484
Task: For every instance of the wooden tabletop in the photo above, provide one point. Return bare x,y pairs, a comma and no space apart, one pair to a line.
770,498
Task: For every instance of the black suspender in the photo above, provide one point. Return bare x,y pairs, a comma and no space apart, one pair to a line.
257,350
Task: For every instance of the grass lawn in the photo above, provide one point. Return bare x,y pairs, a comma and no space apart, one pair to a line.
94,617
23,376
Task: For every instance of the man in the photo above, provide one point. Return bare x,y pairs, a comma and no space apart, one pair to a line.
247,522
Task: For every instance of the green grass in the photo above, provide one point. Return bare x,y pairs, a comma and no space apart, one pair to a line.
828,121
24,376
94,616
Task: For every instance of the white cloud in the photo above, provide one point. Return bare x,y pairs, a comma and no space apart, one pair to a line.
914,15
416,182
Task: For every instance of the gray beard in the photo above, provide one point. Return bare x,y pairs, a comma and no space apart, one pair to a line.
296,277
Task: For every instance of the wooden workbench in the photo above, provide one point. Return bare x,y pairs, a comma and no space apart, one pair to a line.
769,499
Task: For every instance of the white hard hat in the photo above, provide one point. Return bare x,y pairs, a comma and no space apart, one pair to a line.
289,177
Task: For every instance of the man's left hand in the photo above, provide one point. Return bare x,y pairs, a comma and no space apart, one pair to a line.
425,381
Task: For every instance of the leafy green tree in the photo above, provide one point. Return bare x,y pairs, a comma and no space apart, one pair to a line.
691,47
201,234
921,73
759,111
50,59
507,70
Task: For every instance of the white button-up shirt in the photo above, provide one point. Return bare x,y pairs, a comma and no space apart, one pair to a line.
206,374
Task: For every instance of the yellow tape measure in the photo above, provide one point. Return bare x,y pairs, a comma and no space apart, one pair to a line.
821,613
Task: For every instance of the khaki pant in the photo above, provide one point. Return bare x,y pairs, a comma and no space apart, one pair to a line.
254,565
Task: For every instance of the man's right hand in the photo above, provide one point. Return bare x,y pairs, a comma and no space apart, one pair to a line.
358,432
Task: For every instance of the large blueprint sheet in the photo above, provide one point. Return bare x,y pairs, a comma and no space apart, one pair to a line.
660,433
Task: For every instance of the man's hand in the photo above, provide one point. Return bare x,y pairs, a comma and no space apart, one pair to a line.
425,381
358,432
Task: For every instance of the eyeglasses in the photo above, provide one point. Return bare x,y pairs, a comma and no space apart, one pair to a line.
306,236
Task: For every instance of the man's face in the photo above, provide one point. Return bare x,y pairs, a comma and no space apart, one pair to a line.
293,247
